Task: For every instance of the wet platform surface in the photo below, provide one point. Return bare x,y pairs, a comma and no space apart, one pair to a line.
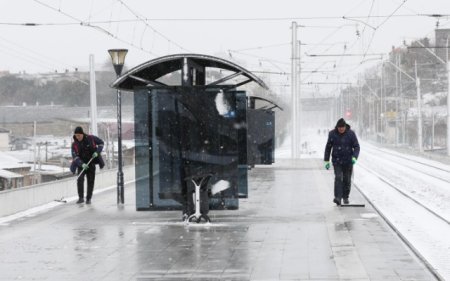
288,229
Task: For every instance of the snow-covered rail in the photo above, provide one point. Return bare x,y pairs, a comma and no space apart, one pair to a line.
428,182
413,196
430,168
401,191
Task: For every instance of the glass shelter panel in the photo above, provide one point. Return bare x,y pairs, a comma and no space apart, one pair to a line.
261,136
191,131
142,156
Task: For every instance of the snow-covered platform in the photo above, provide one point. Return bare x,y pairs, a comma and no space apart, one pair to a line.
288,229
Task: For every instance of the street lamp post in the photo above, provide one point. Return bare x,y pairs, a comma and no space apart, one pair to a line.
118,59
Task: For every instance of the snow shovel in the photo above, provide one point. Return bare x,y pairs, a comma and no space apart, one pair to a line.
83,169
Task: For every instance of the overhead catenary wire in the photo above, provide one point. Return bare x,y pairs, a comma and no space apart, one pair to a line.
77,21
275,62
262,18
381,24
42,57
98,28
363,60
151,27
424,15
335,65
30,60
392,14
261,47
261,57
140,18
35,61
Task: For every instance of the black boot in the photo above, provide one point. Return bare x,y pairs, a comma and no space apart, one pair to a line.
346,201
80,200
337,201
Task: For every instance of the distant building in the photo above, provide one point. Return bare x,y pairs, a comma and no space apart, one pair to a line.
4,139
10,180
52,173
14,173
441,50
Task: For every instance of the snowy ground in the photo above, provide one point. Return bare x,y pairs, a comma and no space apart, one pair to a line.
397,184
312,144
387,177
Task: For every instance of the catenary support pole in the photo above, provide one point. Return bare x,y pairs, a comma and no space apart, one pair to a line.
298,99
381,104
448,101
93,95
294,140
397,130
419,110
448,108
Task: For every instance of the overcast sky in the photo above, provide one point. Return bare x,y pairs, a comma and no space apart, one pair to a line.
259,38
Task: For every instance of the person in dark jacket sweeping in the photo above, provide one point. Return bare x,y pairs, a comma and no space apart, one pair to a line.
86,151
343,146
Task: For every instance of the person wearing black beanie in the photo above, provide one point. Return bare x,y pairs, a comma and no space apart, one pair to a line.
86,151
343,146
78,130
341,123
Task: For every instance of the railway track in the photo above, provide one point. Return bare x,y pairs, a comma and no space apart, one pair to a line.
423,228
429,169
405,194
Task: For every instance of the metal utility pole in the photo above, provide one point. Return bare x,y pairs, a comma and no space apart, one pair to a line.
295,153
432,129
93,94
375,110
419,109
396,102
46,152
447,63
448,102
34,153
402,105
298,96
419,102
359,101
381,105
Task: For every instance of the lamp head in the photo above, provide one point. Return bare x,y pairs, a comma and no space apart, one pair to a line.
118,59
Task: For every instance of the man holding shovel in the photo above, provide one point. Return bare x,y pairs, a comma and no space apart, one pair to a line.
343,146
86,153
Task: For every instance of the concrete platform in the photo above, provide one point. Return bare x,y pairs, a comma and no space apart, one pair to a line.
288,229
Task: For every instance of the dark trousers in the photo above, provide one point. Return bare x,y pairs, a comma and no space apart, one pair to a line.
90,175
342,180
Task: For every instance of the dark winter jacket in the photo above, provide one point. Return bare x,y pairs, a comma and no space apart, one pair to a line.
342,147
82,151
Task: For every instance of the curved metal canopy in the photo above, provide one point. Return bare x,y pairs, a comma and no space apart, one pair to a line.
147,73
274,105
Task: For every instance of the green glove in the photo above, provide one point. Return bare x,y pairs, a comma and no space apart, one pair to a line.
94,155
353,160
85,166
327,165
